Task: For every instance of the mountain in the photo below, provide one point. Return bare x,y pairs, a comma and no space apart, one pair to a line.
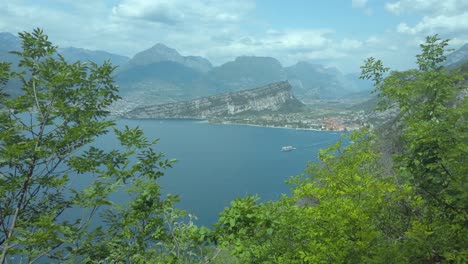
10,42
170,78
314,81
272,97
72,54
166,71
457,58
358,85
160,53
246,72
161,82
161,74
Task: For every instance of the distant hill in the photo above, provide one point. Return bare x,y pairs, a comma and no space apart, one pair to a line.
358,85
314,81
72,54
161,82
10,42
457,58
167,71
246,72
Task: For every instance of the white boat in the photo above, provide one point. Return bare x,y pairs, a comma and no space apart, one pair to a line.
287,148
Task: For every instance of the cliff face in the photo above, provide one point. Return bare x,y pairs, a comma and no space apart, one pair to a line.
272,97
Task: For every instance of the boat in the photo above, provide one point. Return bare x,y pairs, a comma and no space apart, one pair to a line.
287,148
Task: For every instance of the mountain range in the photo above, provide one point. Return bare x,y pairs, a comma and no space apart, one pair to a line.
161,74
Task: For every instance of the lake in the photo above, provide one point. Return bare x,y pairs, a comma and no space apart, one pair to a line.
217,163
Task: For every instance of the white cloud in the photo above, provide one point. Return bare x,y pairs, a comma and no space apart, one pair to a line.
299,39
291,46
438,7
448,18
394,7
373,40
129,29
362,4
350,44
217,30
162,12
177,11
128,26
441,23
287,45
458,41
359,3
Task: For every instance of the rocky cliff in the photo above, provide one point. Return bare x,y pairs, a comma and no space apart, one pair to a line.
272,97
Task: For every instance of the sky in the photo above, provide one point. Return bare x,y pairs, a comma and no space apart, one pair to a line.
335,33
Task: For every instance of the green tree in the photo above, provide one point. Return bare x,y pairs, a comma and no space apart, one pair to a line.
45,145
355,206
432,157
61,108
346,210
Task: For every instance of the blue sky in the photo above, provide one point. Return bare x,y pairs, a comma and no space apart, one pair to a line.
338,33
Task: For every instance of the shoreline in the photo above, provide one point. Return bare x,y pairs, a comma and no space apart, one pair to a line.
277,127
207,121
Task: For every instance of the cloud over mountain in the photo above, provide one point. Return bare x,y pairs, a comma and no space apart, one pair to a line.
439,16
178,11
220,31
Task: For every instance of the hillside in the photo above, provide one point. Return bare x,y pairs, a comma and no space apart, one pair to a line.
457,58
272,97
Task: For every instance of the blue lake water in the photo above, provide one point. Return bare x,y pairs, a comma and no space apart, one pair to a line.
217,163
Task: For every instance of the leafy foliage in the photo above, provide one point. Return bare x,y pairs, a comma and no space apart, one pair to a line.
432,160
352,207
45,145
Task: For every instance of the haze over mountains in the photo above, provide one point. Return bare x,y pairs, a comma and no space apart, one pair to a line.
72,54
161,74
161,53
164,75
457,58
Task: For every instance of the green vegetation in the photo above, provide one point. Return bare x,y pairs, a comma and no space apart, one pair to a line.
42,215
398,199
397,195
